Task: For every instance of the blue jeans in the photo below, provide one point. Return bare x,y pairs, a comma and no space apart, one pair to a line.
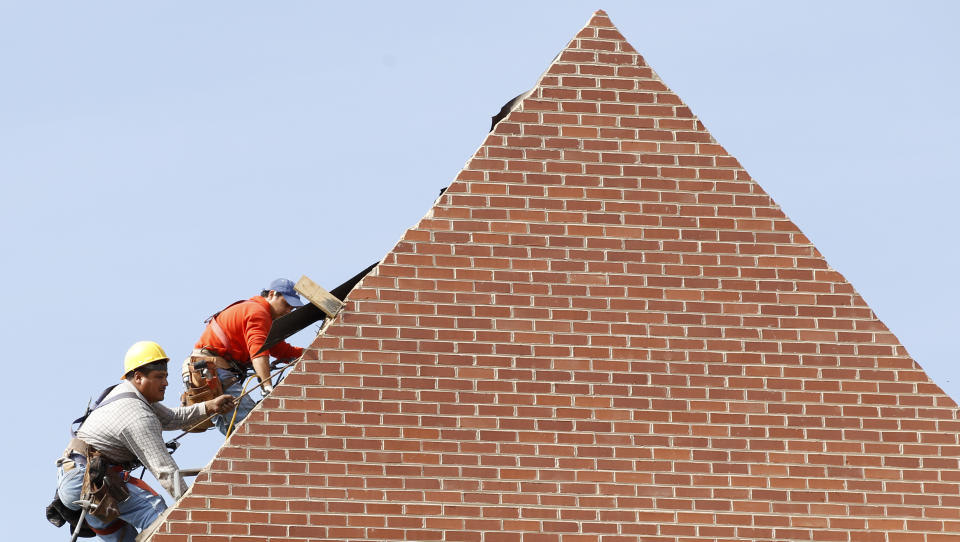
244,407
140,510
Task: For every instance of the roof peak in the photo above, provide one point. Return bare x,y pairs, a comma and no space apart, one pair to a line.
600,19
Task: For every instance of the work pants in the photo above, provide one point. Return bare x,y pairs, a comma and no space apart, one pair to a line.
139,511
244,407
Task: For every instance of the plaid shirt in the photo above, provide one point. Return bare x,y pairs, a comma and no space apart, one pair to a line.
130,428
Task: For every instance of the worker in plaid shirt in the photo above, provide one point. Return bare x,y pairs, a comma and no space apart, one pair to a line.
126,427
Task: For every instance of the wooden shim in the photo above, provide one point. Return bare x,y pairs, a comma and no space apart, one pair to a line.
315,293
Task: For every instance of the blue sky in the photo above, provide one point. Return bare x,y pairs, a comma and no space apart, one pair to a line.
161,160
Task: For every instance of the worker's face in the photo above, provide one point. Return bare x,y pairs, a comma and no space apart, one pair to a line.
152,386
278,304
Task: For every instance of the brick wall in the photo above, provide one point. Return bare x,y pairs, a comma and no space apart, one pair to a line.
603,330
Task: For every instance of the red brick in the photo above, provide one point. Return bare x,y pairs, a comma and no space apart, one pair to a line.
605,330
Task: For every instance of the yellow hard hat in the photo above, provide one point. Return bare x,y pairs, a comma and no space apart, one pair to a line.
142,353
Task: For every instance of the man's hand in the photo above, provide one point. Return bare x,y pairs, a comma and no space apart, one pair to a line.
281,362
267,388
221,405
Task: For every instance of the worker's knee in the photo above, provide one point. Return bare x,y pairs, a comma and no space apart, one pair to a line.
142,508
70,486
244,406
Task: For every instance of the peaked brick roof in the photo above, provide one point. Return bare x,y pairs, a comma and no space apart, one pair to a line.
603,330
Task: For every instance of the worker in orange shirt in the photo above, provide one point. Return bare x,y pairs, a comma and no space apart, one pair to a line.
234,337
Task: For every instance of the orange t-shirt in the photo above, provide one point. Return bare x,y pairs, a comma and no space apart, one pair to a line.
245,325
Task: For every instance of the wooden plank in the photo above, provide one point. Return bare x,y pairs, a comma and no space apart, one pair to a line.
315,293
301,317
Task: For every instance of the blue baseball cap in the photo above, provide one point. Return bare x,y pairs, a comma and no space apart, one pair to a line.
285,288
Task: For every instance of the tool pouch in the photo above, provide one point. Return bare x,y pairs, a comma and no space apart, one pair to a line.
104,487
203,384
198,395
201,372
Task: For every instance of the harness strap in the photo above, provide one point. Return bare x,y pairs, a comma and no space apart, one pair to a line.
218,331
100,402
79,421
117,397
139,483
215,326
109,529
79,446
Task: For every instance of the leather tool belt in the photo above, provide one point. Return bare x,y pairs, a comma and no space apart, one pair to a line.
239,371
104,485
202,383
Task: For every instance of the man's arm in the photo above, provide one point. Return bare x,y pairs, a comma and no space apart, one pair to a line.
261,366
256,329
144,439
284,350
185,417
177,418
